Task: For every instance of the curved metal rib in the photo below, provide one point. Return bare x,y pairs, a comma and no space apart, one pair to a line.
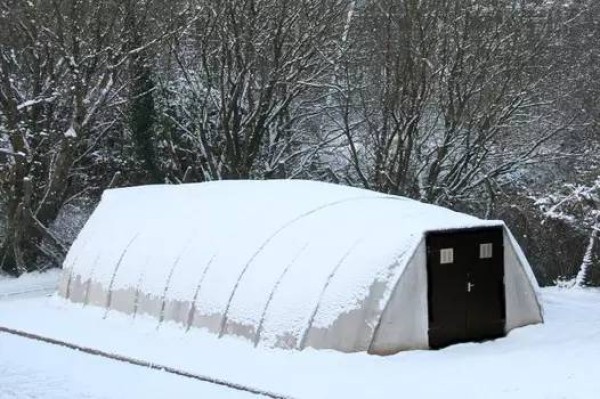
272,236
170,276
272,294
190,317
114,275
327,282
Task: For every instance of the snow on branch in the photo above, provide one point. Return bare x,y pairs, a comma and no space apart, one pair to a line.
34,102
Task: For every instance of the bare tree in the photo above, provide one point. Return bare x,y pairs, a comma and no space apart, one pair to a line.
247,72
577,205
61,63
445,99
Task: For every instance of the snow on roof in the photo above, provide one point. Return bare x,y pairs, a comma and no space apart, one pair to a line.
273,256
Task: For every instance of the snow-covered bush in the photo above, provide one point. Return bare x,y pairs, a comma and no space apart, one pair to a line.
578,205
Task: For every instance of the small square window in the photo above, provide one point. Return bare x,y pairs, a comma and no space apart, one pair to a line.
485,250
446,256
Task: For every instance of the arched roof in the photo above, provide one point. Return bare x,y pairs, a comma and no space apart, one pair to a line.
264,259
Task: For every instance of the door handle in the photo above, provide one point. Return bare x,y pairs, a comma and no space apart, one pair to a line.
469,286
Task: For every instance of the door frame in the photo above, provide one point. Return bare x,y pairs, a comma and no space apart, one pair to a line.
428,249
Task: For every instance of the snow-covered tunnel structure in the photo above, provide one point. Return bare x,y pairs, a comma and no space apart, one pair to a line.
288,263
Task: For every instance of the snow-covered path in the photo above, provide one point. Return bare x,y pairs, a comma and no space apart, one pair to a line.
555,360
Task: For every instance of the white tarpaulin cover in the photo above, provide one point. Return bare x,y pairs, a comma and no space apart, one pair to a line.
283,263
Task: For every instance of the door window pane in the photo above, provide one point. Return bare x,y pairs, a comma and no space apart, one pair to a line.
485,250
446,256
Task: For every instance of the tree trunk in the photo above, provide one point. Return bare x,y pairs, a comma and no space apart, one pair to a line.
583,276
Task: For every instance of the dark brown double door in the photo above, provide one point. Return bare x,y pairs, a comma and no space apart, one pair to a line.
465,272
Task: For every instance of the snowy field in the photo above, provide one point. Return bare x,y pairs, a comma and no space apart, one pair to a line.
30,369
556,360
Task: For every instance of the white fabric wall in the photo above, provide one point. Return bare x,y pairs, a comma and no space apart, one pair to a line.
522,306
404,324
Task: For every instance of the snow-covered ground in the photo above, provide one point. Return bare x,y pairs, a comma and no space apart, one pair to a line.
556,360
31,285
31,369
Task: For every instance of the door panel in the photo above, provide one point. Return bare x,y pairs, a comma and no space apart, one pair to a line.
466,294
447,293
485,310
